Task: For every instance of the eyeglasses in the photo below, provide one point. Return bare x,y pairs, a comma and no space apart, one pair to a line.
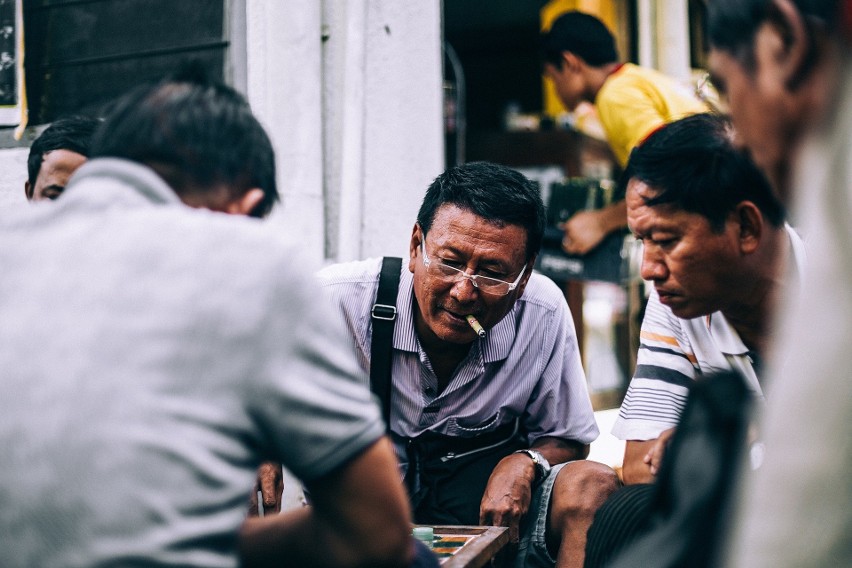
448,273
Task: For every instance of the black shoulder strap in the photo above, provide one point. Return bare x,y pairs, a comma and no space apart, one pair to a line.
383,316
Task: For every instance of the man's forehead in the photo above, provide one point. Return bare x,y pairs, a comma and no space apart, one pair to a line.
459,228
61,158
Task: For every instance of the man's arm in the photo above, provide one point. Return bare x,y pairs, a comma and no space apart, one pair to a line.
642,458
359,517
586,229
508,493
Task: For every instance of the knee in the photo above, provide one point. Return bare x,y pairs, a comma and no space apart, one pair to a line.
580,488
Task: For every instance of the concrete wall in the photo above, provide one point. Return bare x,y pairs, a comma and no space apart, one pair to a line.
13,173
350,94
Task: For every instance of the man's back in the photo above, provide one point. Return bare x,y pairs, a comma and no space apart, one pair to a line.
636,100
151,356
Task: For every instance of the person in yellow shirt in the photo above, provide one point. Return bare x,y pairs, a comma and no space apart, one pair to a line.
631,101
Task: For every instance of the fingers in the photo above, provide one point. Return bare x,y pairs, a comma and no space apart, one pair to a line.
500,520
265,496
271,481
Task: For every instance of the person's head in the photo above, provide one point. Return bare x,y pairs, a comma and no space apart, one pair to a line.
485,220
56,154
705,213
200,137
576,47
767,57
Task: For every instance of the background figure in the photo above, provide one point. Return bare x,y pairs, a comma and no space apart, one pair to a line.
56,154
631,102
168,350
786,68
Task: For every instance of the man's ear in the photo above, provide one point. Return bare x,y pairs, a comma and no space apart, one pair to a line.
414,245
522,285
28,190
750,224
246,203
571,62
786,43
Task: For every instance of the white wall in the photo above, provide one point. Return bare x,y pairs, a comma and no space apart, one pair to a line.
351,94
13,173
355,119
664,36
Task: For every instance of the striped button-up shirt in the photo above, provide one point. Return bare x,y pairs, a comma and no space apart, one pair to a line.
528,366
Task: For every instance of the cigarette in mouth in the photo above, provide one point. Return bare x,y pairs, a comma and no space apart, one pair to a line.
477,327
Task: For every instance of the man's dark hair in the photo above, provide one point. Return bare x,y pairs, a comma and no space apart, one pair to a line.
73,133
583,35
196,134
733,24
695,166
496,193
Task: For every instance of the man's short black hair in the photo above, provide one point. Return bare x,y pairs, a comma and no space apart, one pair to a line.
695,167
73,133
733,24
496,193
197,134
583,35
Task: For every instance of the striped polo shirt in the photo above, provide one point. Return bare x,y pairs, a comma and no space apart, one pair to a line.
527,366
673,352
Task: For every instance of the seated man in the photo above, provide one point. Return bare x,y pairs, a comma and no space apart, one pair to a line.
715,248
479,412
718,252
56,154
154,354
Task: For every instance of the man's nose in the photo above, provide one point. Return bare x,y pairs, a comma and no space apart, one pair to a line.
463,289
653,266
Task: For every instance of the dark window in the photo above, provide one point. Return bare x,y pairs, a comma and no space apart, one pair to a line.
81,54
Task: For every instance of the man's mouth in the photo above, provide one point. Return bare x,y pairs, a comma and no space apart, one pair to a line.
666,296
457,316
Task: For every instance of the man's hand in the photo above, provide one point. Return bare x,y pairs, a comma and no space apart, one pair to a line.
643,458
508,494
586,229
654,457
270,483
583,232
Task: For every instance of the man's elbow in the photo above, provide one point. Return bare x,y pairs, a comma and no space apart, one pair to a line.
391,547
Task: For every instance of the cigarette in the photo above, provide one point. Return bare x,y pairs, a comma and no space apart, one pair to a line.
472,321
259,503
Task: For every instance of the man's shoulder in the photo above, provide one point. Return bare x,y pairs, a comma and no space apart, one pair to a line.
541,291
628,74
354,272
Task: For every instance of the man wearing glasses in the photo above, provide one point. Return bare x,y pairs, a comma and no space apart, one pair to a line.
490,413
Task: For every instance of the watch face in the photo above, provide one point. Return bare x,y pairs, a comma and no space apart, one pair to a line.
542,466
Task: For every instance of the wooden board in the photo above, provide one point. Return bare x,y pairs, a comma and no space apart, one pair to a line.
468,546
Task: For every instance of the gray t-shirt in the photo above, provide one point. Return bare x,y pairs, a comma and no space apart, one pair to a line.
151,355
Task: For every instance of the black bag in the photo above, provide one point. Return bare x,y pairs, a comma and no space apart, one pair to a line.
447,476
691,501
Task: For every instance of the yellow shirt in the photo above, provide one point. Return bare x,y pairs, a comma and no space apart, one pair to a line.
634,101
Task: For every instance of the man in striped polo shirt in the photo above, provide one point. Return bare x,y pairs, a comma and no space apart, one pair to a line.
719,253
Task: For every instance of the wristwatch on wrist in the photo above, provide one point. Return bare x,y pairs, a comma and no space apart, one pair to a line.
542,466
